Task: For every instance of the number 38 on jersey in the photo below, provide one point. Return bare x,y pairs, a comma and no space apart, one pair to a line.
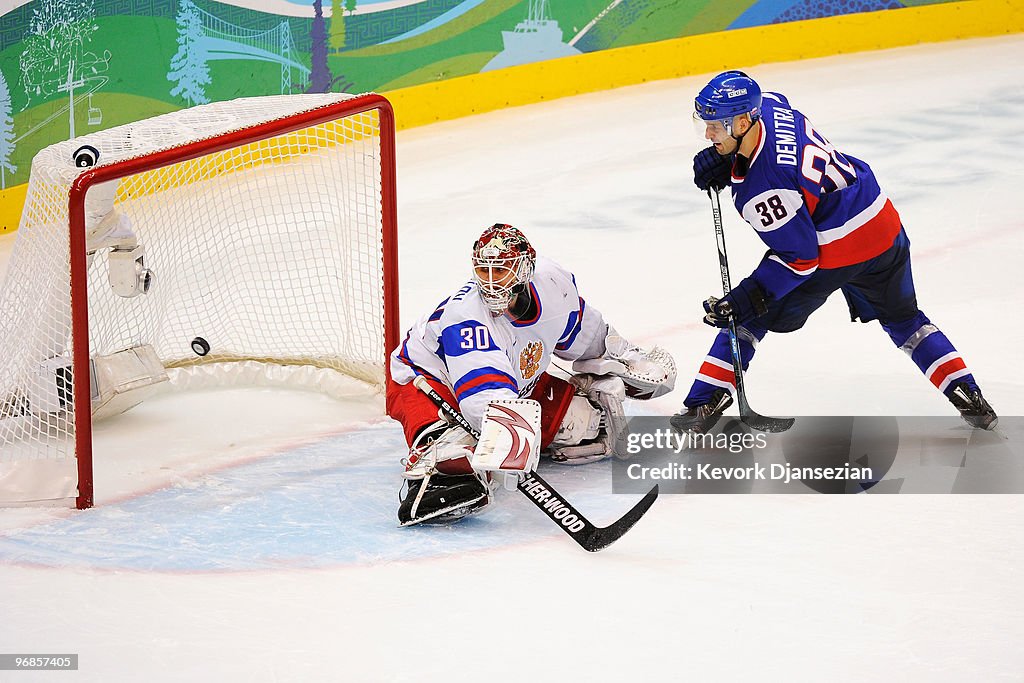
772,209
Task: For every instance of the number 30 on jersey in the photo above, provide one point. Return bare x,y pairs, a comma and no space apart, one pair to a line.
475,338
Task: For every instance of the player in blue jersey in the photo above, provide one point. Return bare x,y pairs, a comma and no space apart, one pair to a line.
828,226
492,341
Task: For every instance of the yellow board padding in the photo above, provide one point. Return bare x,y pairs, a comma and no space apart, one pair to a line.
12,200
527,84
708,53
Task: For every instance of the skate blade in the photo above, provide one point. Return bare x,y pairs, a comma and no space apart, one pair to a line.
449,514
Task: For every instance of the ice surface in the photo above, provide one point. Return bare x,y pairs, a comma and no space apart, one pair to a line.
249,534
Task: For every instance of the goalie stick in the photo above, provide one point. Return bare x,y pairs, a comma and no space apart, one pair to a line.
549,501
747,414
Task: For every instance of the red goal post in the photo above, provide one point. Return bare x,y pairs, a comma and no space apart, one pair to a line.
290,200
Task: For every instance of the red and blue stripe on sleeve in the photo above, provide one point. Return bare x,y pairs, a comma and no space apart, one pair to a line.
482,379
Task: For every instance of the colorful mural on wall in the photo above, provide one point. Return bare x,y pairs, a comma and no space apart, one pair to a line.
74,66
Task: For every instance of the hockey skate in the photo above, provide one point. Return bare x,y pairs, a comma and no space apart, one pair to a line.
973,407
442,499
700,419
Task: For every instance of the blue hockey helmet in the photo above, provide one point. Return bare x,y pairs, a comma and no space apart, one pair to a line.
727,95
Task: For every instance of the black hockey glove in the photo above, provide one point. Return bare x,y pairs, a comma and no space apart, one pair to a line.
712,170
745,302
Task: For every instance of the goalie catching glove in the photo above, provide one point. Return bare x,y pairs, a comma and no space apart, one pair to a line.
646,373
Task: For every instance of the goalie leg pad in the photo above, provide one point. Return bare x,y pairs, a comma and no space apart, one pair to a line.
440,486
440,447
582,454
442,499
582,422
593,425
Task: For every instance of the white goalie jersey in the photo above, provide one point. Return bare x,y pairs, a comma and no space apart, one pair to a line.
483,358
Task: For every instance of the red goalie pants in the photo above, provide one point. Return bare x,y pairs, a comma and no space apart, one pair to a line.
414,409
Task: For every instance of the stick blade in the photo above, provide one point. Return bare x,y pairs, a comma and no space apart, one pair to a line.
767,424
602,537
763,423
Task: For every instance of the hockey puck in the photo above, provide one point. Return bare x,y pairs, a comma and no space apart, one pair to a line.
200,346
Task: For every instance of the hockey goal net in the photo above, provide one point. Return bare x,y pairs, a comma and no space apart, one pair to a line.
258,232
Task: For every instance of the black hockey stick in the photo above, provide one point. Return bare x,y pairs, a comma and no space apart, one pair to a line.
551,502
747,414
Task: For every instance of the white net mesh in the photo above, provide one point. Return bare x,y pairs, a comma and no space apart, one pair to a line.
270,251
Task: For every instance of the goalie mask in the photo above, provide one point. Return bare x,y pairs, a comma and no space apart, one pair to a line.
503,263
